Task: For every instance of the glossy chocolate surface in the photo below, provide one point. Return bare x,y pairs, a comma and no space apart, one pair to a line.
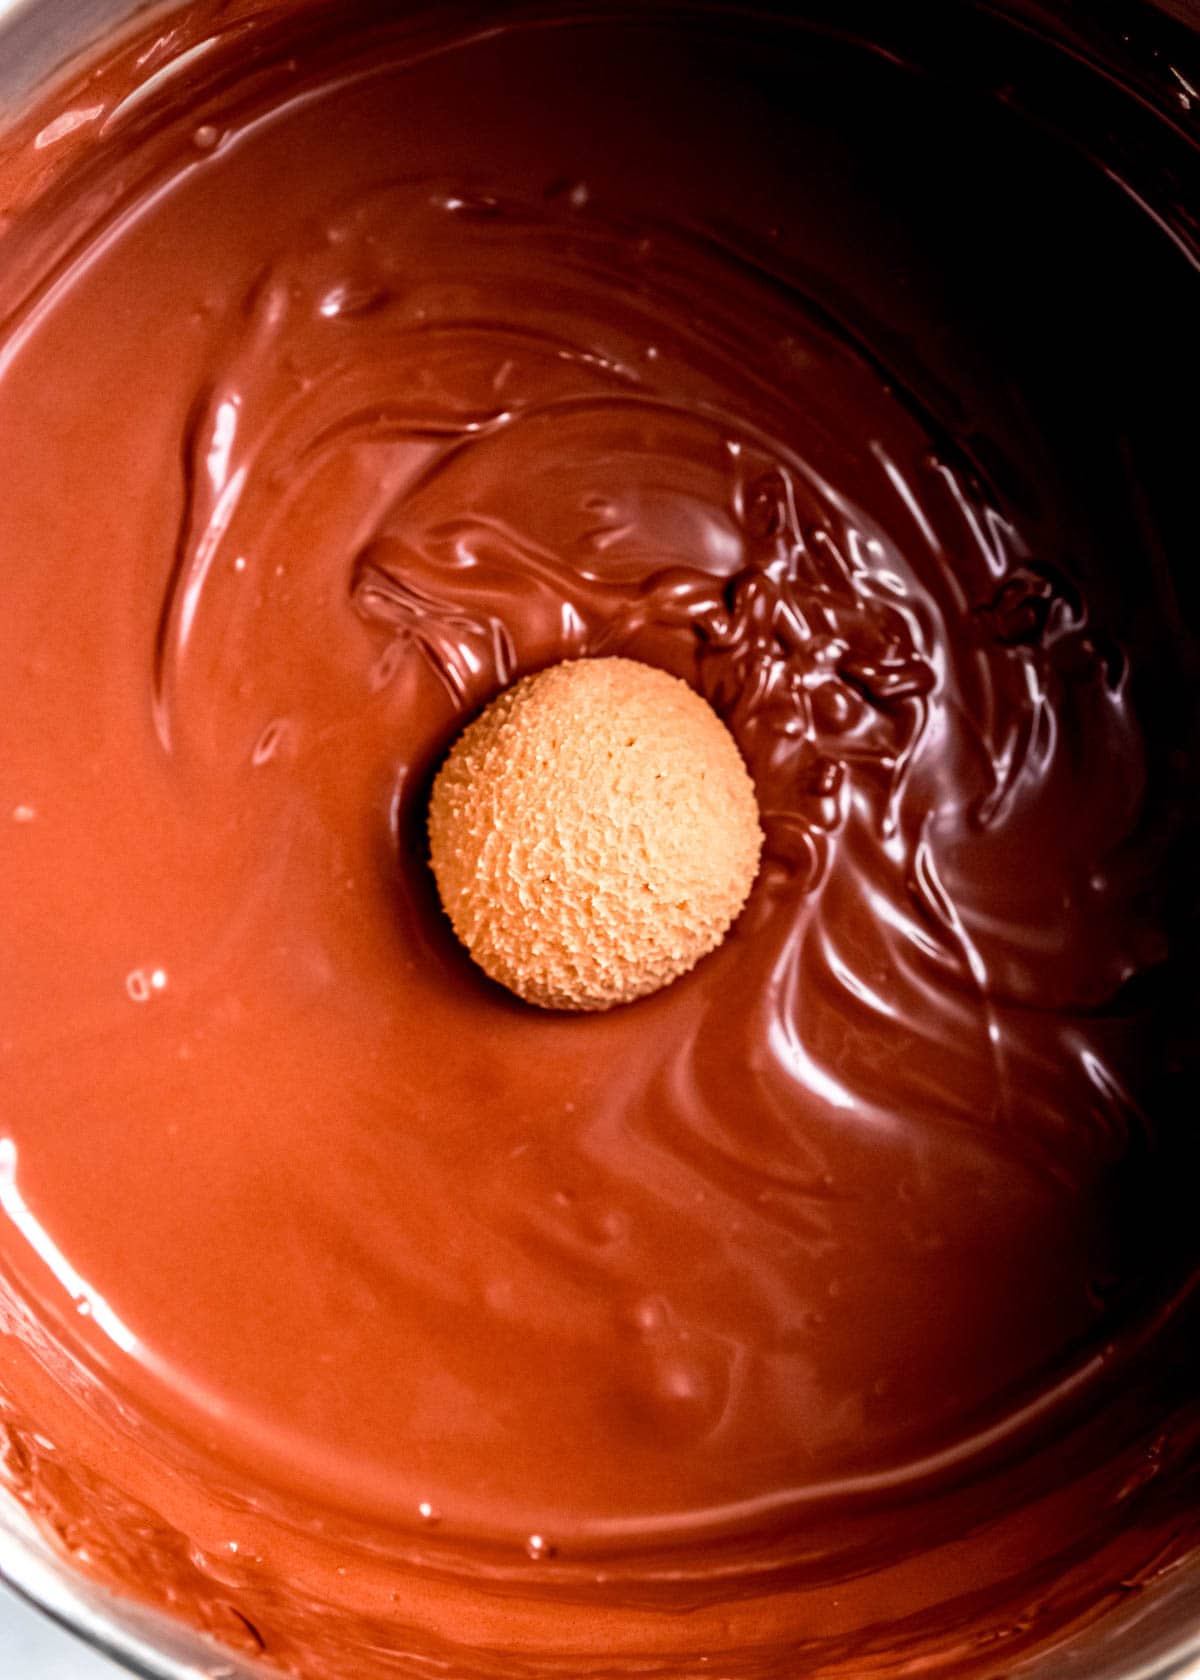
836,1296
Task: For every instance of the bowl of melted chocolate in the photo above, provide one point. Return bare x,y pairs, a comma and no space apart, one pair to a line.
831,1310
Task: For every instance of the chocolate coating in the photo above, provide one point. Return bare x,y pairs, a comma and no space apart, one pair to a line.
839,1296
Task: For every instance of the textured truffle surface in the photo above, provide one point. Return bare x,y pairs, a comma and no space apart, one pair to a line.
593,833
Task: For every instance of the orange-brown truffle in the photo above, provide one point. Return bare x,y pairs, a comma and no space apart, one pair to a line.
593,833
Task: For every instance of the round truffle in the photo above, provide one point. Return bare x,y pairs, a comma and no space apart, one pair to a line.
593,833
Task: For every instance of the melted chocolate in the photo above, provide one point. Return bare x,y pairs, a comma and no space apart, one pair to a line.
835,1295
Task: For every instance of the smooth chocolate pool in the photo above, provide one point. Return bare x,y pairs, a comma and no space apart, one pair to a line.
829,1314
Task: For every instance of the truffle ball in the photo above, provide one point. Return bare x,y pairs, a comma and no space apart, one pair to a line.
593,833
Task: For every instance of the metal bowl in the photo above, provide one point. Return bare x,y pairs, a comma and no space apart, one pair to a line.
1152,1636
